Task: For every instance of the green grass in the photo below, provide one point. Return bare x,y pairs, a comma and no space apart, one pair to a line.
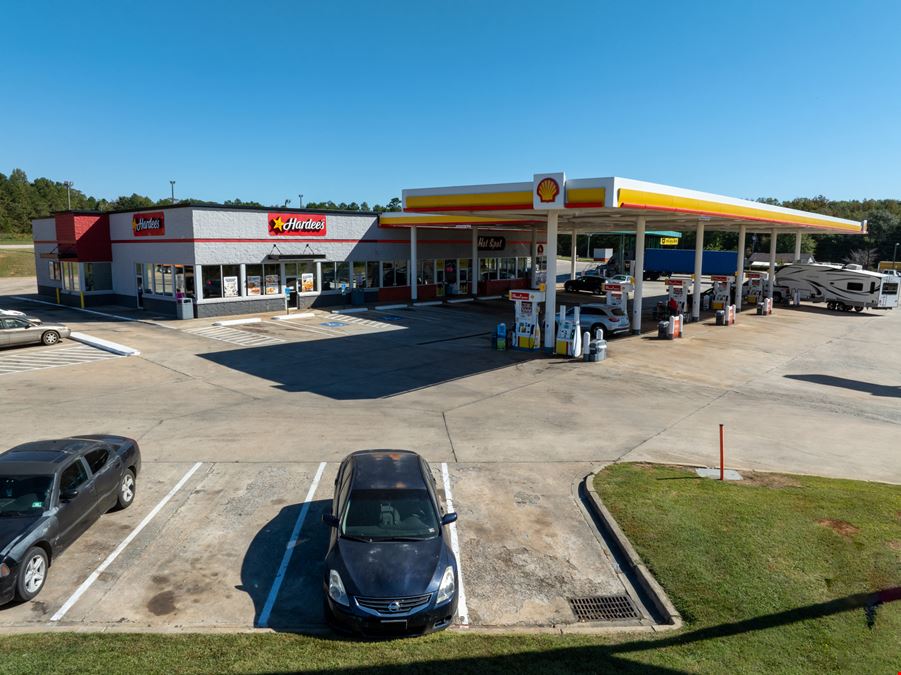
747,564
7,238
16,263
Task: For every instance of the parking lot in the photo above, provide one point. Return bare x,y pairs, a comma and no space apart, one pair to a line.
261,406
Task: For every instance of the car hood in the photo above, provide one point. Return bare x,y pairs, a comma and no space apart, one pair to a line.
13,528
388,569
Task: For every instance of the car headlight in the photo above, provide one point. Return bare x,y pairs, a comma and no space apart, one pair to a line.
447,588
336,588
4,570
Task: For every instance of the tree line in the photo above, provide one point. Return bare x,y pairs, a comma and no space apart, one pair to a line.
21,200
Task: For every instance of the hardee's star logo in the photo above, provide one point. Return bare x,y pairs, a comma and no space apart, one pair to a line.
278,224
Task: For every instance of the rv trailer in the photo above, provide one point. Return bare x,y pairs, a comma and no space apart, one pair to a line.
841,288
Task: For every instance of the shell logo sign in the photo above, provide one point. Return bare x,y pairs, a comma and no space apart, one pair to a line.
148,224
548,191
290,225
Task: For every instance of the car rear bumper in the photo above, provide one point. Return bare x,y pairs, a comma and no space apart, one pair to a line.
419,623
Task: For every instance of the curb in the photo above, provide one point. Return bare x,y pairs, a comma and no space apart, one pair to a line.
105,345
237,322
352,310
291,317
648,583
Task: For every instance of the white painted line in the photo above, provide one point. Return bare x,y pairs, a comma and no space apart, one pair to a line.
462,610
289,550
105,345
289,317
429,303
352,310
237,322
456,300
121,547
381,308
91,311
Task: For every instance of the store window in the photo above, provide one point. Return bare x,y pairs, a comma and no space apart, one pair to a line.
309,282
394,273
328,276
55,272
425,274
524,267
98,277
465,271
253,280
372,274
184,281
231,281
272,280
211,281
70,276
342,274
507,268
487,269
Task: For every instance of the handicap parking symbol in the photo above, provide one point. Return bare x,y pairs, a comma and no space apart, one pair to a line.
333,324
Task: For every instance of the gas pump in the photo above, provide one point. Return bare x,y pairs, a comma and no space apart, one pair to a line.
568,340
618,296
757,283
722,291
677,289
527,327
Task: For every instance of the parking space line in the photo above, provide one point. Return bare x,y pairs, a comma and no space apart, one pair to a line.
87,583
289,551
462,610
315,330
235,336
55,358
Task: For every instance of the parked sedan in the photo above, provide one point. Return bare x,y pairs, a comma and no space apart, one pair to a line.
592,283
16,313
389,569
18,331
51,492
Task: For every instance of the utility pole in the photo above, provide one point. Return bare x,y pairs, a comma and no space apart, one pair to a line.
894,255
172,185
69,185
300,201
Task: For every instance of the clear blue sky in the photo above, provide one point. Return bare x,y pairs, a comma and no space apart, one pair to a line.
354,101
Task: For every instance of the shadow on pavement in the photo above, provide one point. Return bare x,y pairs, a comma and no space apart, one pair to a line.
854,385
298,604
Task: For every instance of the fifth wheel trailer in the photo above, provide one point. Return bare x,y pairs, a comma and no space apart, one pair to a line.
841,288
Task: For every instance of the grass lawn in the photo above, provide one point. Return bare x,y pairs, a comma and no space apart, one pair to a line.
759,569
16,263
7,238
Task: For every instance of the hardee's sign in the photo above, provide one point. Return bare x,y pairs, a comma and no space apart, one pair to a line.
294,225
148,224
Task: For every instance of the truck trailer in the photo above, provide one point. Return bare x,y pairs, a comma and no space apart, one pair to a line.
664,262
841,288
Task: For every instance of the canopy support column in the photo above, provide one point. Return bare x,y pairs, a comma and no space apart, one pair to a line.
534,253
638,275
414,267
550,286
774,237
574,253
797,246
740,271
474,266
699,267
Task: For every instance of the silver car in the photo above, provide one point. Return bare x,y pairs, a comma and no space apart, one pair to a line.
17,331
606,318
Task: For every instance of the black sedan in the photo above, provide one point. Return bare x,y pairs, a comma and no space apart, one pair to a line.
389,568
51,492
592,283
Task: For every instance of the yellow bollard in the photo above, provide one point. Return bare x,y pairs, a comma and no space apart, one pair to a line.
57,296
82,299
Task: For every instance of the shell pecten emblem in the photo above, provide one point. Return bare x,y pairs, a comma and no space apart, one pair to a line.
547,190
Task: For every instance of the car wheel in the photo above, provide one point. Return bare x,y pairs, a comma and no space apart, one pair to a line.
50,337
33,573
568,287
127,489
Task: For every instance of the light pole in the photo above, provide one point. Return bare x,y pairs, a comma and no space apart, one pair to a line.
894,255
172,185
69,185
300,201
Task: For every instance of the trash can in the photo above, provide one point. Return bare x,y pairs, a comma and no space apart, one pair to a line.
760,308
184,308
663,330
358,296
720,317
597,350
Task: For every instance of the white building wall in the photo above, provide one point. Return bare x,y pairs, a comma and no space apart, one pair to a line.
43,233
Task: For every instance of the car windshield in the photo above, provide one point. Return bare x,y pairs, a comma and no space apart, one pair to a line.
24,495
384,515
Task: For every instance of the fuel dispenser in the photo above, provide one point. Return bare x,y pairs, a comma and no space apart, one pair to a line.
757,283
677,289
527,326
722,291
618,296
568,340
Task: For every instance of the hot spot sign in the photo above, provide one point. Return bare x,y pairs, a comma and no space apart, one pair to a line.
148,224
296,225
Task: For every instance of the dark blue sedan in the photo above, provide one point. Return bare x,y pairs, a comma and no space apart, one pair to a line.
389,569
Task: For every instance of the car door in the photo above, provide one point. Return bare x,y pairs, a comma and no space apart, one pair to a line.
106,470
22,332
76,512
5,331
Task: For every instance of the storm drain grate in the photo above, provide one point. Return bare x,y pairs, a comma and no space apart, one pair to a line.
604,608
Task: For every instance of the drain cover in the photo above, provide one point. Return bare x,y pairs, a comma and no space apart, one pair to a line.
604,608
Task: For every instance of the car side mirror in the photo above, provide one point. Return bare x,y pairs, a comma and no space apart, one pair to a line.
449,518
68,495
330,520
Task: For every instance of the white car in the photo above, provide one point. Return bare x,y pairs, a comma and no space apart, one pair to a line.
620,279
608,319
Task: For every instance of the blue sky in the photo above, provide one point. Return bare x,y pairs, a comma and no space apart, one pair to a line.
354,101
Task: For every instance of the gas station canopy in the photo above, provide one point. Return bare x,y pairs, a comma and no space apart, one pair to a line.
602,205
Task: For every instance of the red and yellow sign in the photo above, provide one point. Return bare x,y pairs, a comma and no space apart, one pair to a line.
148,224
547,190
294,225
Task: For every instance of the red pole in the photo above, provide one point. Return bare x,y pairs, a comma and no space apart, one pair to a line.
722,469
